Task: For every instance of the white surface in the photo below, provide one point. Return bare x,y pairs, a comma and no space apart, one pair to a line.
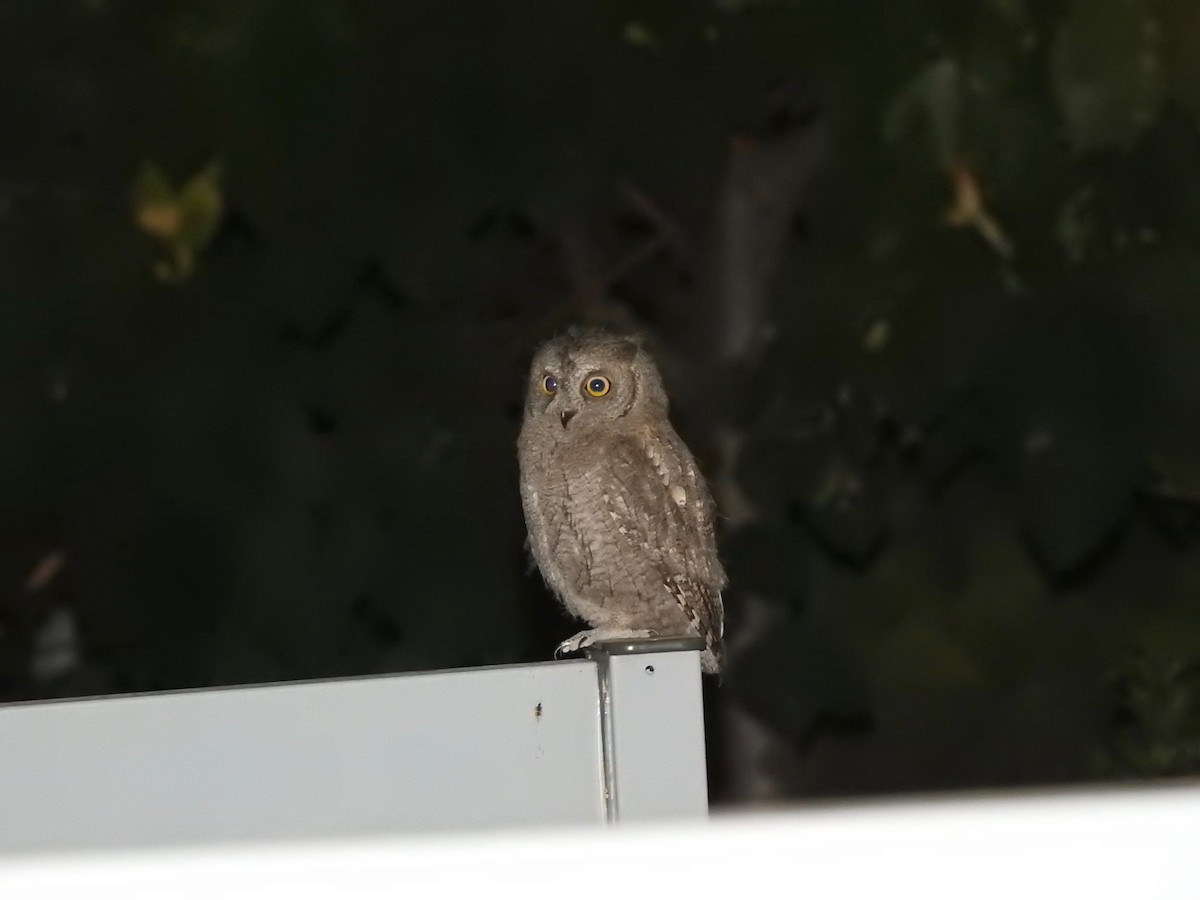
655,736
466,748
1137,844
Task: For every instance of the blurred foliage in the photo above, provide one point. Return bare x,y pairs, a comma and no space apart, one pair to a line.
964,472
1160,727
183,221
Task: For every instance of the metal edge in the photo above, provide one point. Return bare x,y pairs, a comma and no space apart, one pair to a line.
608,761
631,647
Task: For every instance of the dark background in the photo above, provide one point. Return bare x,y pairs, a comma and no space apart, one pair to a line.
923,277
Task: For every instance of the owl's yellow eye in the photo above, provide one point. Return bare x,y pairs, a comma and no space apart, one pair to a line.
549,385
597,386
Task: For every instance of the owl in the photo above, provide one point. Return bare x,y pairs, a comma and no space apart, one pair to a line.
620,520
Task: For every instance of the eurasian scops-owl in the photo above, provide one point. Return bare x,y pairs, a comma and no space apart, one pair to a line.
620,519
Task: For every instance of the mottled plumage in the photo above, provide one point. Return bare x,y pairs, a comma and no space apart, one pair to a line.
620,519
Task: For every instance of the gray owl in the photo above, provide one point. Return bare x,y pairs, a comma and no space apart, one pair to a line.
620,519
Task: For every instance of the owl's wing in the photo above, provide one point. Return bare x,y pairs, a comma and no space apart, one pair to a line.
658,506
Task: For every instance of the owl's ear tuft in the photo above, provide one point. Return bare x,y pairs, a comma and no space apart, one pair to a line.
592,337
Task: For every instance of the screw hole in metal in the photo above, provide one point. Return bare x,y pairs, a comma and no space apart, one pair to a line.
649,670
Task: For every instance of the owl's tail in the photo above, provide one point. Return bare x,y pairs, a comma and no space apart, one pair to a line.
702,606
713,657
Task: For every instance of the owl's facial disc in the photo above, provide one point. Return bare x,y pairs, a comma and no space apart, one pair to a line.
593,388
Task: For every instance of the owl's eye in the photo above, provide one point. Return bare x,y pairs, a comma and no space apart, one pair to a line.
598,386
549,385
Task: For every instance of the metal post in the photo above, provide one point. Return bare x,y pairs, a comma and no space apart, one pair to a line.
652,728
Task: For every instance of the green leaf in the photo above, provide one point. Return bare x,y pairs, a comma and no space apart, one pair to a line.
151,186
639,34
1107,73
933,98
201,202
182,221
1074,492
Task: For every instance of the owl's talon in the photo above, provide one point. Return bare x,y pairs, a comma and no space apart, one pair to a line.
591,636
573,644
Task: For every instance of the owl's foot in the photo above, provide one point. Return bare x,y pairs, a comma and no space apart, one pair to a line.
591,636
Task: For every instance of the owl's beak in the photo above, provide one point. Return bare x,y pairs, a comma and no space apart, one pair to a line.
567,415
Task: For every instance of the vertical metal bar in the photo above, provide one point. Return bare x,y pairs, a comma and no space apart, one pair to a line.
608,760
652,728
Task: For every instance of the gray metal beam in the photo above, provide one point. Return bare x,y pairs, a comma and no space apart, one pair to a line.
546,744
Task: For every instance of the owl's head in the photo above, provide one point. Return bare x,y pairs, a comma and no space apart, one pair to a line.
590,378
